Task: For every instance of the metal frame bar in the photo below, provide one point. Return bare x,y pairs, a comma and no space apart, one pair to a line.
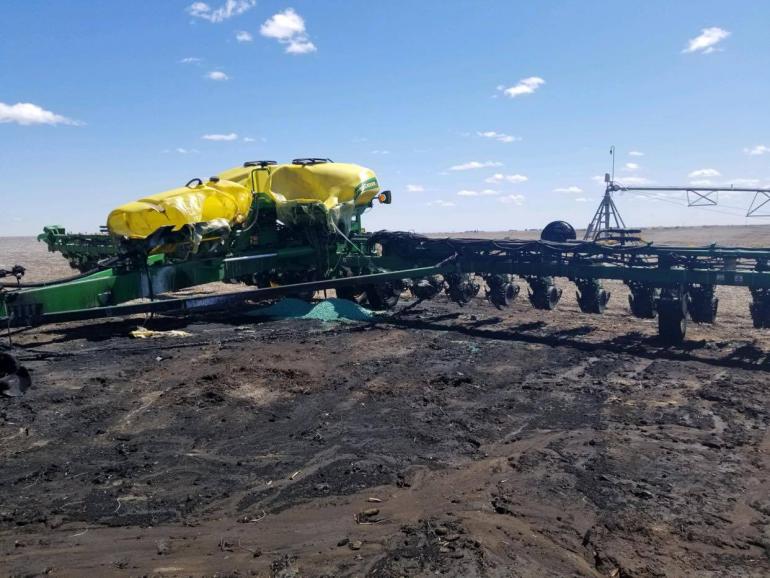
752,212
701,199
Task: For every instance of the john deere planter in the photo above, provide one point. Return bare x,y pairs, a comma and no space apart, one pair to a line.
292,229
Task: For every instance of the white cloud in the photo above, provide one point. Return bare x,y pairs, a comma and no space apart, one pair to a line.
758,150
283,25
524,86
220,137
706,42
498,136
440,203
635,154
482,193
217,75
598,178
632,166
701,183
581,200
571,189
380,152
501,178
248,139
512,199
300,46
191,60
243,36
26,113
229,9
474,165
180,150
704,174
415,188
288,28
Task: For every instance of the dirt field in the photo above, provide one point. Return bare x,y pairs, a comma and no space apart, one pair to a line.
437,441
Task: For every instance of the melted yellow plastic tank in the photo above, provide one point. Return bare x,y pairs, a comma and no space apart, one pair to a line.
230,197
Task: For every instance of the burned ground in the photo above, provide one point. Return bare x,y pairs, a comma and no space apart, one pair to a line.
438,440
491,444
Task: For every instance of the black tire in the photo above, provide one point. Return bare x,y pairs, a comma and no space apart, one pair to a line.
672,322
594,302
642,306
462,288
427,288
545,298
704,310
503,295
558,232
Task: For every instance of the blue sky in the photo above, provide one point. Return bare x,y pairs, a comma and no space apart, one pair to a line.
513,105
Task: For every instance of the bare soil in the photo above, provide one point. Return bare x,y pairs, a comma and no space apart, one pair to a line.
436,441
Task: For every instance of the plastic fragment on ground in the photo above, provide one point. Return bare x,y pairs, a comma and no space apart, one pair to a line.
143,333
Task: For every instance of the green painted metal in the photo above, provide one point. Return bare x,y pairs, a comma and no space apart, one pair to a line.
83,251
114,286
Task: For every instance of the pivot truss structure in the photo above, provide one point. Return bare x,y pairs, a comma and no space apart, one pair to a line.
704,196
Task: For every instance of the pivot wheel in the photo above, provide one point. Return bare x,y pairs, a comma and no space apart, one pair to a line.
384,296
672,320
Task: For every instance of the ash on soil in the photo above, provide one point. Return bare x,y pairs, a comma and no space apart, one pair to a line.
490,443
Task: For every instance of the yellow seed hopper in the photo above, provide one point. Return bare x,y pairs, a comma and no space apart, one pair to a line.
332,187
